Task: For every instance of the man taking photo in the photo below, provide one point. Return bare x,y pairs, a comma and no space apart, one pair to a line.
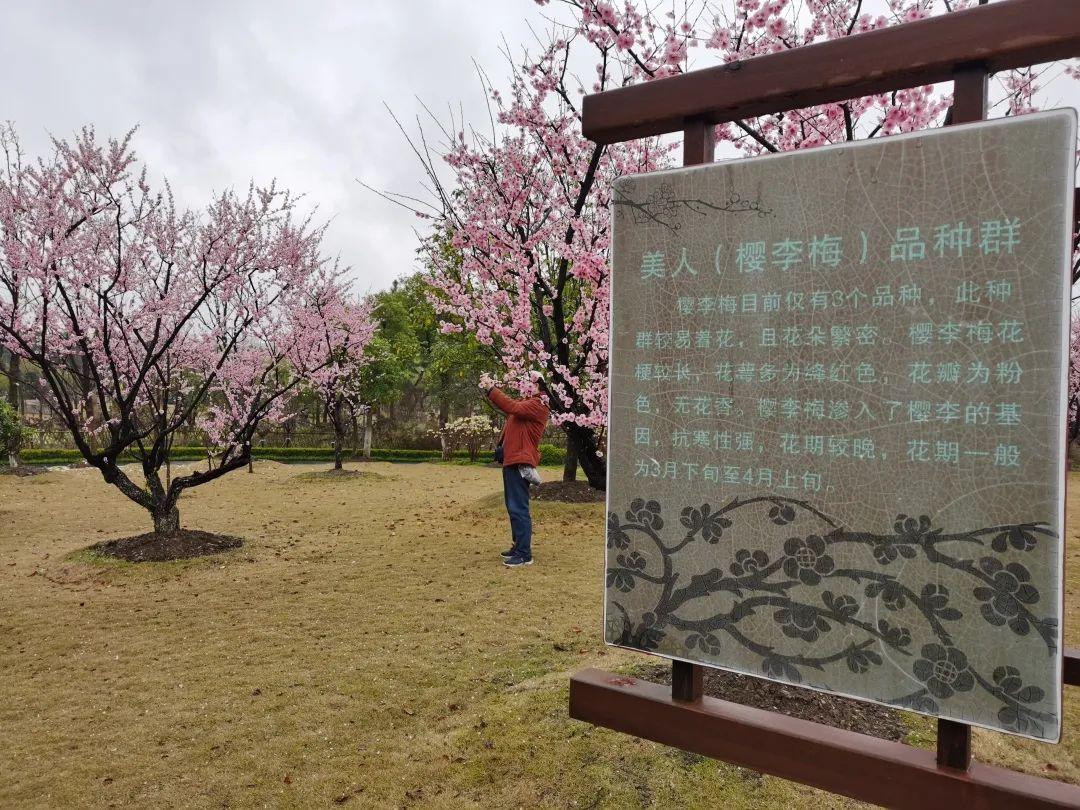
526,419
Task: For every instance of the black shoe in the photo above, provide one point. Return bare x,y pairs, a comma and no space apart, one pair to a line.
508,553
517,560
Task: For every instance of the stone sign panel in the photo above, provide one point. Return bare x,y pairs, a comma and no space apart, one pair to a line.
837,439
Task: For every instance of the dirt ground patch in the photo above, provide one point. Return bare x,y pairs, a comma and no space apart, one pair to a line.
568,492
806,704
185,544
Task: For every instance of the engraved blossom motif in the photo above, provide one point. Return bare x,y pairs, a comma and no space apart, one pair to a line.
703,519
1005,599
944,670
807,560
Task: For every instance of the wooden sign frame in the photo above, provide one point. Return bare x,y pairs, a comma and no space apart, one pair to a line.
963,47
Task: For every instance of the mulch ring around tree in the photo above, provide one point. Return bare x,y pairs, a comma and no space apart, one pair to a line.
339,475
794,701
24,470
182,545
568,492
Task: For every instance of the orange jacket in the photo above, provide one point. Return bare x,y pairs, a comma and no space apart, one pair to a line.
525,423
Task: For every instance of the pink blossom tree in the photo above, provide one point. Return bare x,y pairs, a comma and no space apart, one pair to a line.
519,256
650,45
338,357
143,319
527,218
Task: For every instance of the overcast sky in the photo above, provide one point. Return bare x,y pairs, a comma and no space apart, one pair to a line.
227,91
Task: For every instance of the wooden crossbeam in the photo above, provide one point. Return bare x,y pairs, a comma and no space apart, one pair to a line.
845,762
998,36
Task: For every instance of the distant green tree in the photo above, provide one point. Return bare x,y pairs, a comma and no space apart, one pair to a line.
393,355
417,371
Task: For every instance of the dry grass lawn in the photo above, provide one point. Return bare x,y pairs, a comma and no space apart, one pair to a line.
364,647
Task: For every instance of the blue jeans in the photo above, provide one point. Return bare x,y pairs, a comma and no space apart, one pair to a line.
516,495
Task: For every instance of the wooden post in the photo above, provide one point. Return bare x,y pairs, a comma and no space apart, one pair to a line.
953,744
699,142
699,146
969,104
969,95
687,680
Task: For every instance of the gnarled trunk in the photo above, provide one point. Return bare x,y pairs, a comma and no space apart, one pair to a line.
166,520
587,451
154,498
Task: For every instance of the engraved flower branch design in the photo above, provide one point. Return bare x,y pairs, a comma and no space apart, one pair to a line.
752,584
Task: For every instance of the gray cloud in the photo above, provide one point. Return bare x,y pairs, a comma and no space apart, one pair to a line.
227,91
232,90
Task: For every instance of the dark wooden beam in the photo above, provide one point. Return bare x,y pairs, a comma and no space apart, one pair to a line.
1071,675
856,765
998,36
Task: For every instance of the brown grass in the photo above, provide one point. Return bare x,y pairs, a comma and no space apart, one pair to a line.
365,645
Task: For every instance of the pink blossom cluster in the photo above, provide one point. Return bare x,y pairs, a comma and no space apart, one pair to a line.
520,254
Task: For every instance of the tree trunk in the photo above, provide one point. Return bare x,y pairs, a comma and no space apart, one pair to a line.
444,417
166,521
14,372
570,465
588,455
87,389
367,434
339,432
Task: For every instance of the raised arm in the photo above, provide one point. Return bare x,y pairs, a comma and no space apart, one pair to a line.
532,409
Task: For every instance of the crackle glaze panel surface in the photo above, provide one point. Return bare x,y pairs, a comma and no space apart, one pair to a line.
837,423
